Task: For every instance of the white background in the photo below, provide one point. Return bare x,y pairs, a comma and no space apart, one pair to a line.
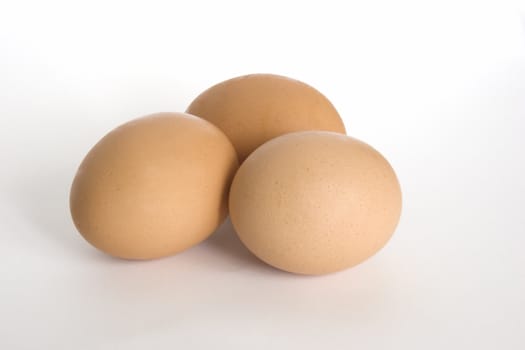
437,87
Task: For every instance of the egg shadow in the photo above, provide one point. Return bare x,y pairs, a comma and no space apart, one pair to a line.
225,243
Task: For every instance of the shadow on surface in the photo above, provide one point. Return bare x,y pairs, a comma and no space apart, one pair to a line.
226,242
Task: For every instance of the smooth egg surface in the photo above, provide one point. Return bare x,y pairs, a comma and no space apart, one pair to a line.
154,186
315,202
253,109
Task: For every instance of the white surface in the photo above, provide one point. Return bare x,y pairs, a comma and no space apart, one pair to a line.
438,88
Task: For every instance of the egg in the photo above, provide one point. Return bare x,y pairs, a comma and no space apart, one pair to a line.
154,186
253,109
315,202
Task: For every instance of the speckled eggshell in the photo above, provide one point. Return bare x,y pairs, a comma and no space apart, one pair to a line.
153,186
253,109
315,202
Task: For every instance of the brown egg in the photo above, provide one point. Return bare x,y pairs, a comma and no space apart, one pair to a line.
154,186
253,109
315,202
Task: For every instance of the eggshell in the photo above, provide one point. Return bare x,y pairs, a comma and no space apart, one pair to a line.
255,108
315,202
153,186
